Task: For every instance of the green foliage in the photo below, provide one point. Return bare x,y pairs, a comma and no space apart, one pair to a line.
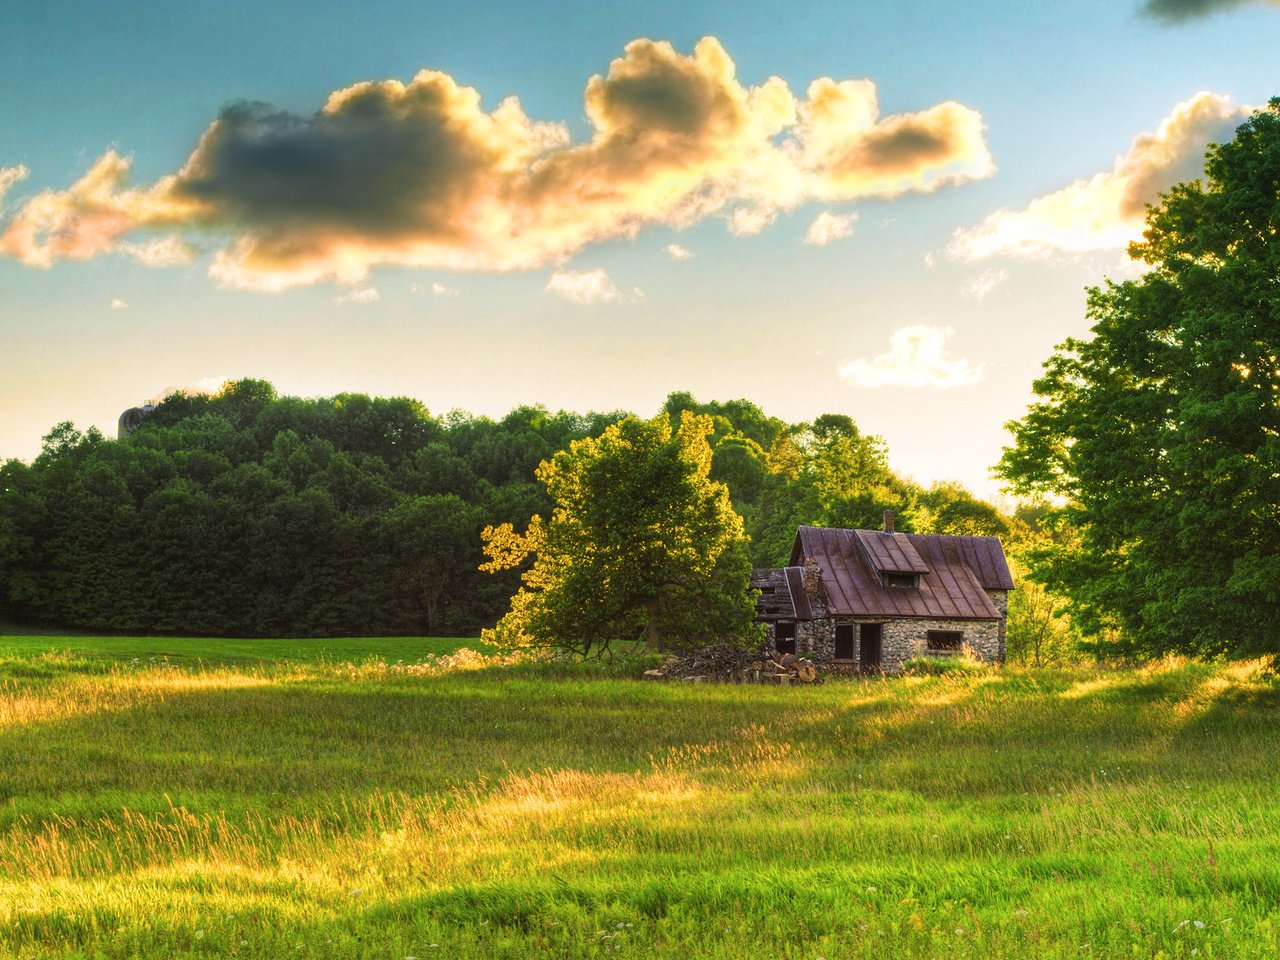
641,542
954,666
247,513
1162,431
251,514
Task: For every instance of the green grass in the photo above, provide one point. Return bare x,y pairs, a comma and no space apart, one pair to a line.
220,650
227,806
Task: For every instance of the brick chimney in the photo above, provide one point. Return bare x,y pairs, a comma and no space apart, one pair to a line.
888,521
812,577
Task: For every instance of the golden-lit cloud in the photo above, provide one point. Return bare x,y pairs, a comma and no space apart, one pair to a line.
586,286
118,304
1178,10
90,217
419,174
828,226
677,252
1108,210
917,357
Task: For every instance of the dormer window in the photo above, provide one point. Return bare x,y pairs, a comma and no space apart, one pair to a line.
902,581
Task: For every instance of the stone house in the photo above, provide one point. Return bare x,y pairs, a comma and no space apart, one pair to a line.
869,600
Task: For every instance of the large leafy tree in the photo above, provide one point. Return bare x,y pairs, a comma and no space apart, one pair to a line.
641,544
1162,431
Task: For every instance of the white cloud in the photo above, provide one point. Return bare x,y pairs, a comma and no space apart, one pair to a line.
8,177
917,357
980,287
440,290
677,252
365,295
1107,210
830,226
159,252
751,221
118,304
587,286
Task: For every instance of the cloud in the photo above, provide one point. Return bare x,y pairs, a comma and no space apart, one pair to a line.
917,357
980,287
1108,210
751,221
419,174
160,252
588,286
828,227
1176,11
365,295
677,252
438,289
118,304
8,177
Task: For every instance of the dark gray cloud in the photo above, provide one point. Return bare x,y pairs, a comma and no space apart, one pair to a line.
1176,11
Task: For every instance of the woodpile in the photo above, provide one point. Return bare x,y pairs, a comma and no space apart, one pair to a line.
727,664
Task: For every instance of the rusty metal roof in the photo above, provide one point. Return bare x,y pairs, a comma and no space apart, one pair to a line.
890,552
958,572
782,595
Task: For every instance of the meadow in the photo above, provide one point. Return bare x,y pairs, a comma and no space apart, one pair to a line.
390,798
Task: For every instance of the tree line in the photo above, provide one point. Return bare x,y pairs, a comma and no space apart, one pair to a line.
247,513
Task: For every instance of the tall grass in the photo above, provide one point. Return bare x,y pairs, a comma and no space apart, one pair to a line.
467,808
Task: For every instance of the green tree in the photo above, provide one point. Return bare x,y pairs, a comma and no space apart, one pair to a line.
432,545
641,544
1162,431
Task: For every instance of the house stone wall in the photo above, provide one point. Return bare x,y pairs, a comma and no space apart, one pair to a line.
1000,598
901,639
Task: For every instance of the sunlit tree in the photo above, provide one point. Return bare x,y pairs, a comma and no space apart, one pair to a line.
640,545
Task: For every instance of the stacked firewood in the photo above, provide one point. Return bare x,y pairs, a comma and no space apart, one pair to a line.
728,664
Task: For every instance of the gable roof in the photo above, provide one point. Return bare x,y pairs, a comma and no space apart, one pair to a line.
957,572
782,594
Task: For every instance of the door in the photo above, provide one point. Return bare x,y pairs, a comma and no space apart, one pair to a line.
784,637
844,641
869,635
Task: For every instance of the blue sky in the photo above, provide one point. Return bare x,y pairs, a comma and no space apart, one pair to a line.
914,307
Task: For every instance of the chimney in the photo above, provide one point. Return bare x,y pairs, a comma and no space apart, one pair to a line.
888,521
812,576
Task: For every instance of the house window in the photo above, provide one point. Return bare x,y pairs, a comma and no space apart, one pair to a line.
944,641
907,581
784,637
844,641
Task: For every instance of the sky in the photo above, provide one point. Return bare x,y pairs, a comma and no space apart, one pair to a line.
890,211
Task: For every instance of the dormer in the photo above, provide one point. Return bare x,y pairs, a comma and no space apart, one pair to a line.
892,556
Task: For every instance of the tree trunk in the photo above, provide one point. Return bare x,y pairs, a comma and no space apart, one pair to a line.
653,636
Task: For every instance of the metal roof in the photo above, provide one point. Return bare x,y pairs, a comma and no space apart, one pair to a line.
953,585
782,595
890,552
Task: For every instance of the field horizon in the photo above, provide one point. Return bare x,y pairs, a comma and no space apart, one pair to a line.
458,804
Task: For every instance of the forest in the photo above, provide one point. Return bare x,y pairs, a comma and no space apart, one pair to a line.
247,513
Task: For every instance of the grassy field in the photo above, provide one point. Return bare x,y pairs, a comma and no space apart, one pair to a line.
273,799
